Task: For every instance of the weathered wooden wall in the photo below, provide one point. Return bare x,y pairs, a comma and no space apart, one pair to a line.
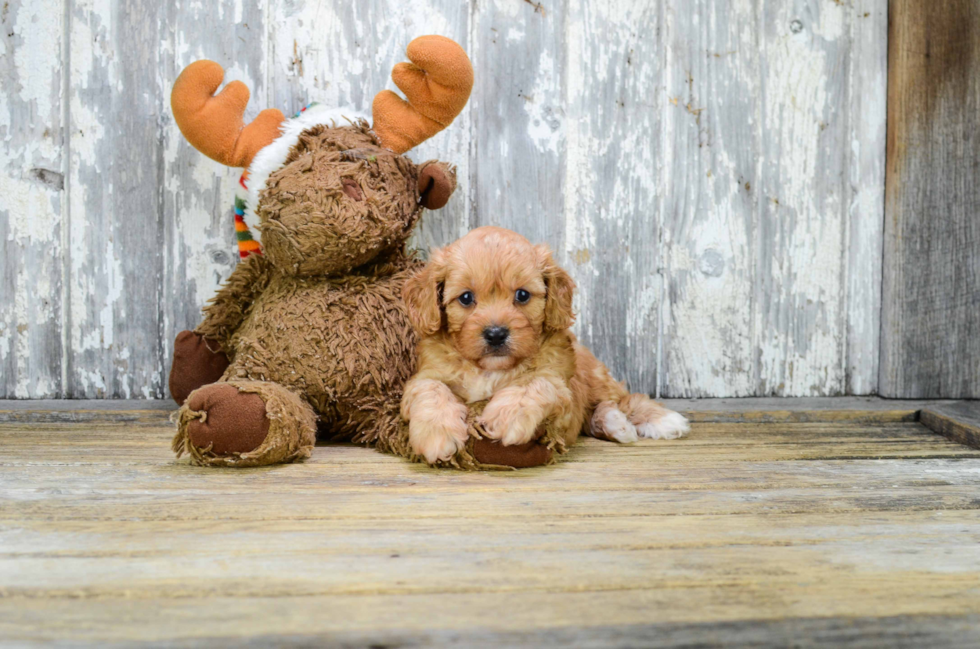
931,307
711,172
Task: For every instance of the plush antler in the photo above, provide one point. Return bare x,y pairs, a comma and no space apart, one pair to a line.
213,124
437,84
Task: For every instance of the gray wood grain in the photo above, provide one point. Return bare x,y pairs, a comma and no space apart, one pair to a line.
898,631
33,210
614,157
931,285
117,221
864,193
743,410
710,172
200,249
799,264
712,145
519,118
834,534
760,138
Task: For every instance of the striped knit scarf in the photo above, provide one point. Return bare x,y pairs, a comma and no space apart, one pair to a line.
246,244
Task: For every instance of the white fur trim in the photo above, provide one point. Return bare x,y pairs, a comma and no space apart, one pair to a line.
273,156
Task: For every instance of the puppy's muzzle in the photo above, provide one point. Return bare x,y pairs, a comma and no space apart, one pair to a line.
496,336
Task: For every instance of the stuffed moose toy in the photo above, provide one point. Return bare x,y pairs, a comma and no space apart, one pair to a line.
309,333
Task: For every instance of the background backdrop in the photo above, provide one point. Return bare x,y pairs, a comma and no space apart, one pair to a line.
712,173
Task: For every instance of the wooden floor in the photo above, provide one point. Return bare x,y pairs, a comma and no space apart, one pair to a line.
854,529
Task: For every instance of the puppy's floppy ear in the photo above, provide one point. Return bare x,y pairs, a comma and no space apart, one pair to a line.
437,182
422,294
558,314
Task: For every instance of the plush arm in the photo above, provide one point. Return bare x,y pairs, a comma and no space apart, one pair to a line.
436,419
225,312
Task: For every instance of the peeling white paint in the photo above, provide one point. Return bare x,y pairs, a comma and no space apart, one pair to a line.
32,203
679,156
544,124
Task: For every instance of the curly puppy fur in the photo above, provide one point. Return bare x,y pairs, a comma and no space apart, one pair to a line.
493,313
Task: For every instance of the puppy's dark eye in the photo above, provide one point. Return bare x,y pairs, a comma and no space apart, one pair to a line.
466,299
522,296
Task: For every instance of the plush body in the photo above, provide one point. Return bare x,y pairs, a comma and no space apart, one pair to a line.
314,326
341,345
493,312
311,335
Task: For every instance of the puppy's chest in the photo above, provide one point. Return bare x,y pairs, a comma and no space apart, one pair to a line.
480,386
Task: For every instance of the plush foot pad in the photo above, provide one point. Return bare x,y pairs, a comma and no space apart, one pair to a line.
197,362
519,456
232,421
244,423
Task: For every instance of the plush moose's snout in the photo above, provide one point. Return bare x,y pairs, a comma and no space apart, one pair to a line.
437,182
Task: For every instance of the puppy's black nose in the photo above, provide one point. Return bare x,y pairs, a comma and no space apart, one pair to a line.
496,335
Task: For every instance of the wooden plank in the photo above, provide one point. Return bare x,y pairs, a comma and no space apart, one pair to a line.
761,409
33,210
588,619
331,471
439,569
117,222
803,212
613,160
197,193
800,409
571,145
864,192
681,542
959,422
342,54
518,136
711,149
178,540
747,465
780,438
931,285
758,127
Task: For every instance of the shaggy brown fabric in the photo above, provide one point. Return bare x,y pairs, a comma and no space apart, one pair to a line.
227,310
197,361
318,320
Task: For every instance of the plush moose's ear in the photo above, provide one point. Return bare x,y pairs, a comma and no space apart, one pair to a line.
422,294
437,182
558,314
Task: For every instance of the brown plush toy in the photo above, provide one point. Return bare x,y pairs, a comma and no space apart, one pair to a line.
312,333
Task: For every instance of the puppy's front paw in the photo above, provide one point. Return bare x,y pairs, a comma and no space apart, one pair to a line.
670,425
505,420
440,436
616,426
